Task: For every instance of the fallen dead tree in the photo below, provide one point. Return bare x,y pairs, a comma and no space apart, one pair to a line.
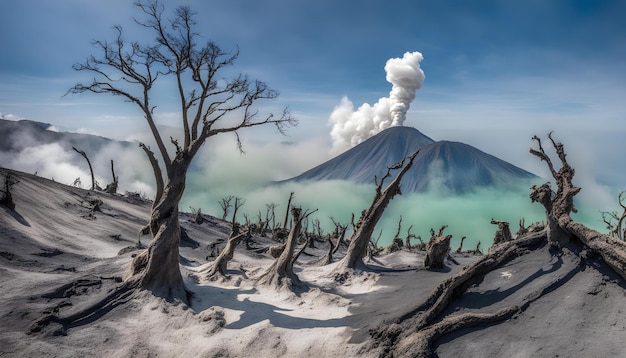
559,205
413,333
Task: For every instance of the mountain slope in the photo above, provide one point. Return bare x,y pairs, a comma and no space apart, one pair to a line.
453,166
369,158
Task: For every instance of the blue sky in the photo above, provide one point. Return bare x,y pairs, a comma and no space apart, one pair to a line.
497,72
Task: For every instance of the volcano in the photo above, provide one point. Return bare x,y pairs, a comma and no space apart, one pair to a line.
442,165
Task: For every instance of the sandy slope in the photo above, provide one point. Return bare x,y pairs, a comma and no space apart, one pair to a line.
52,240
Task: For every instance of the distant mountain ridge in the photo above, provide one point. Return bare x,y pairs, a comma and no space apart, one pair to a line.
17,135
452,166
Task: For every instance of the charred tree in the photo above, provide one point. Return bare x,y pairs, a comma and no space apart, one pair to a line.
93,179
210,104
112,187
281,273
369,218
437,249
7,185
503,234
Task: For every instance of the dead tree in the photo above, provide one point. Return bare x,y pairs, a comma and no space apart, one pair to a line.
616,229
93,179
362,235
408,238
522,228
339,234
210,104
7,185
225,205
197,215
112,187
413,333
271,208
281,273
559,205
503,234
219,266
287,211
236,206
437,249
460,249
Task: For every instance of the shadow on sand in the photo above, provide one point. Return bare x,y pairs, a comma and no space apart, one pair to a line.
253,312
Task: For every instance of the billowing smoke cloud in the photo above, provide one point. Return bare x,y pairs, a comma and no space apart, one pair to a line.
351,127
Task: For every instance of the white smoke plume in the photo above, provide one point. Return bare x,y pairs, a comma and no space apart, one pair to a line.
352,127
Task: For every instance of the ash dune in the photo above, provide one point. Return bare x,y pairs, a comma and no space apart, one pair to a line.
53,239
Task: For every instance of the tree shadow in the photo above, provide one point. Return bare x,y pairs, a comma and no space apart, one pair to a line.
481,299
17,216
254,312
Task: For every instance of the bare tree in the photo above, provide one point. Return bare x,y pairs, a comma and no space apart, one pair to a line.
210,104
460,249
285,223
561,227
225,204
281,272
236,206
369,218
112,187
93,180
7,185
616,229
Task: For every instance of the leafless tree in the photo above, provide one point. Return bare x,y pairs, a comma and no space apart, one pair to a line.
239,202
225,204
210,104
460,249
615,221
112,187
369,218
285,223
93,179
561,227
281,273
6,199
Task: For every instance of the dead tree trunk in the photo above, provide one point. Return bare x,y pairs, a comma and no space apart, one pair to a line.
285,223
370,217
503,234
437,249
558,208
460,249
112,187
281,273
219,266
7,198
93,180
413,333
157,268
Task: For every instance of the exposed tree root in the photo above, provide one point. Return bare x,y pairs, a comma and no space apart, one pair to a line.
118,296
416,328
